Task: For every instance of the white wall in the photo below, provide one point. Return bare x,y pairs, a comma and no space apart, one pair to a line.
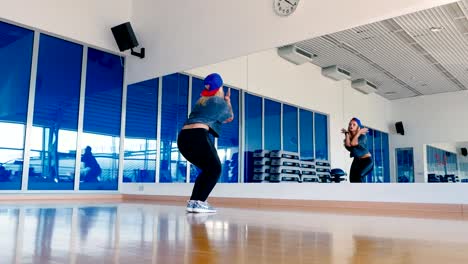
439,118
183,34
87,21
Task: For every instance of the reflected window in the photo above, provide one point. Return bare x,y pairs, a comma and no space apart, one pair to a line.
101,137
228,142
290,128
307,134
140,132
15,69
57,97
253,132
442,165
173,166
272,125
405,164
321,136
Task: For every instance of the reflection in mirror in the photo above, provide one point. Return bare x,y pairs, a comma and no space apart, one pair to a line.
447,162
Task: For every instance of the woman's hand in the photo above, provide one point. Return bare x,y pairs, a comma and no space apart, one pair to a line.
228,120
227,97
363,131
344,131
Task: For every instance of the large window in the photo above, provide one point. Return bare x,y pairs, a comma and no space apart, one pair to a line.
405,165
253,132
306,134
442,165
378,145
53,138
15,70
173,166
272,125
321,136
290,128
140,132
228,142
102,114
386,157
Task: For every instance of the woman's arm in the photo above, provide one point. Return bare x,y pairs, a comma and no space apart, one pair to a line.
227,98
347,140
355,139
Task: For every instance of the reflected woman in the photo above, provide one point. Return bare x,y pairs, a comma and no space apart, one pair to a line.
356,143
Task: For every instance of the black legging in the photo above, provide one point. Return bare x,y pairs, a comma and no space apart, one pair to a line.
360,168
197,147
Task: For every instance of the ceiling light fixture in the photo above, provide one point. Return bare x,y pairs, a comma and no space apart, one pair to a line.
436,29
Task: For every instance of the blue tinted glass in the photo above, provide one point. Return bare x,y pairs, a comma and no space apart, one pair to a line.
272,125
435,162
405,165
253,132
140,132
173,115
290,128
307,134
228,142
15,69
386,157
378,157
102,113
197,88
321,136
53,139
370,146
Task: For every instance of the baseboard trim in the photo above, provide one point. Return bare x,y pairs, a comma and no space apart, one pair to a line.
313,204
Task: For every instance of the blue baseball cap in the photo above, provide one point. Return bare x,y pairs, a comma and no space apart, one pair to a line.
212,84
358,122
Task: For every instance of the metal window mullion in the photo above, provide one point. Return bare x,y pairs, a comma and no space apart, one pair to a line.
241,158
189,107
281,126
298,131
30,115
313,135
263,123
158,131
81,108
123,123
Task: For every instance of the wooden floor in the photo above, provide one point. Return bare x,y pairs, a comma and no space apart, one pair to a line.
163,233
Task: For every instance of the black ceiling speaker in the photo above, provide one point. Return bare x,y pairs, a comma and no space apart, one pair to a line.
464,151
126,40
399,128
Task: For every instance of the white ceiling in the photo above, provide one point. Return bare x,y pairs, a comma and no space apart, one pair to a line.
401,55
184,34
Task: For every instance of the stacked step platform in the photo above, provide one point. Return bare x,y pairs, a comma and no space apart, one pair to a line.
261,165
322,167
308,173
285,166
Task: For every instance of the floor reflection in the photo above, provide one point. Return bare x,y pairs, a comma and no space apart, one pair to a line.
144,233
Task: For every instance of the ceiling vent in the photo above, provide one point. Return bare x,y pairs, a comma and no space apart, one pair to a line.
364,86
336,73
294,54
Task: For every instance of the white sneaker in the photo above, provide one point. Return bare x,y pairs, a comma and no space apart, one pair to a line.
190,205
203,207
